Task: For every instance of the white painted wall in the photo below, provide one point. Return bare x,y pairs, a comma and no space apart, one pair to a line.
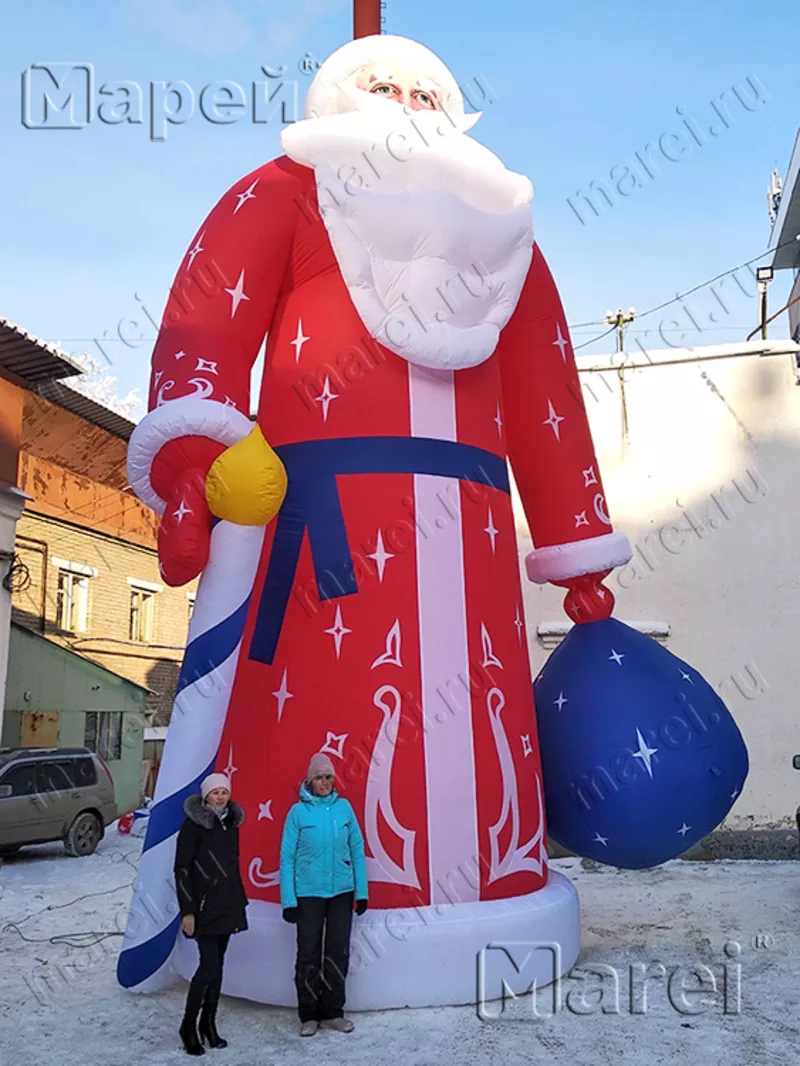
12,501
794,309
708,490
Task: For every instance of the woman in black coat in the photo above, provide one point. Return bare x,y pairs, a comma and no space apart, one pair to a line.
212,900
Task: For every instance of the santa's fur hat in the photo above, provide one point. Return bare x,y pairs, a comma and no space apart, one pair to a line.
334,90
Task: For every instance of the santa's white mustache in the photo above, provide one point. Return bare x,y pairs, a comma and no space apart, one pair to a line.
453,297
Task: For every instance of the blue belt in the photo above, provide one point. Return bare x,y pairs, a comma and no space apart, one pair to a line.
312,503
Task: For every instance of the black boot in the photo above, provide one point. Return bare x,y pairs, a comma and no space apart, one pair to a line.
188,1032
208,1017
208,1027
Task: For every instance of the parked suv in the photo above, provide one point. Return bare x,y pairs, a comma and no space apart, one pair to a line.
54,794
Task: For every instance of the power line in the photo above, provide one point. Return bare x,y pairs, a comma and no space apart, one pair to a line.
703,284
687,329
580,325
105,340
585,344
573,329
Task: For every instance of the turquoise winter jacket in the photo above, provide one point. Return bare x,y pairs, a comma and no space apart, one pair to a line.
322,850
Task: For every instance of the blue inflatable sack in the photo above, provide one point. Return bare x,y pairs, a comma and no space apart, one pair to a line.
640,756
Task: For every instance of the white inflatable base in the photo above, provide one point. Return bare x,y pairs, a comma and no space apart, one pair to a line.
447,954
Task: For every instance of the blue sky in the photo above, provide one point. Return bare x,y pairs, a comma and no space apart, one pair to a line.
96,220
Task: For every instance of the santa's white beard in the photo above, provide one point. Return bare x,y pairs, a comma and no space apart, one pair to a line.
431,232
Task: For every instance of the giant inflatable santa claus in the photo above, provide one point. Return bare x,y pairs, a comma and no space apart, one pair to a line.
360,590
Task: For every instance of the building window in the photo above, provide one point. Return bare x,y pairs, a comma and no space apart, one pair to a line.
190,596
72,601
142,608
102,734
142,612
72,594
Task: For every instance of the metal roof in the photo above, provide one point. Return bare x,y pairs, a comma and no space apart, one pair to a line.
59,393
47,645
30,358
787,225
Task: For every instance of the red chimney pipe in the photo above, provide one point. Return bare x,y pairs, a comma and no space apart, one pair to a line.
366,17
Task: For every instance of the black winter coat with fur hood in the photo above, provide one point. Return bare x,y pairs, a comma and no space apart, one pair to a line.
207,876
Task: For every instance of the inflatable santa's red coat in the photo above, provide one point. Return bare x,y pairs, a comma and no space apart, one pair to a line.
379,618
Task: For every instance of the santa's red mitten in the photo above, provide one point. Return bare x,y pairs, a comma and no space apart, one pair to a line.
178,475
196,460
587,599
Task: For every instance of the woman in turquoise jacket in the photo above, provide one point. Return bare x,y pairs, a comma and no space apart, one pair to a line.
323,870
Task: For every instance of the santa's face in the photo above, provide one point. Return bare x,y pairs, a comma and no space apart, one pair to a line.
408,87
431,232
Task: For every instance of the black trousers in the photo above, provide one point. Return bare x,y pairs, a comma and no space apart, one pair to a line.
206,984
323,954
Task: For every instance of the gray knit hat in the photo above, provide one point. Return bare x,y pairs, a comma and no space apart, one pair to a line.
320,764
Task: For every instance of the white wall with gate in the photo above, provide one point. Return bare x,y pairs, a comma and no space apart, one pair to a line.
706,484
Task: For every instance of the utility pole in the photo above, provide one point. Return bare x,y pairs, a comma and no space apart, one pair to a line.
763,277
619,320
366,17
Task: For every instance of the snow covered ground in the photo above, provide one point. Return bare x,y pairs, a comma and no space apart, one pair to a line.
60,1004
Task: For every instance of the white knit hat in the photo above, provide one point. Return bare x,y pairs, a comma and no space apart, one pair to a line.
214,781
333,89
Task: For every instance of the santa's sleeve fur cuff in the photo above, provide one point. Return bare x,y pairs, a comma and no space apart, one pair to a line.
562,561
189,416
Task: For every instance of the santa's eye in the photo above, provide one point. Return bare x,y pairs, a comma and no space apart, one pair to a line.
385,90
425,99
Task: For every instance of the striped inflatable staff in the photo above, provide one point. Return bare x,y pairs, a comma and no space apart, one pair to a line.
190,752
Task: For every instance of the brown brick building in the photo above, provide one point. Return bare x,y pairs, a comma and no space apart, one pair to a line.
26,363
89,546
